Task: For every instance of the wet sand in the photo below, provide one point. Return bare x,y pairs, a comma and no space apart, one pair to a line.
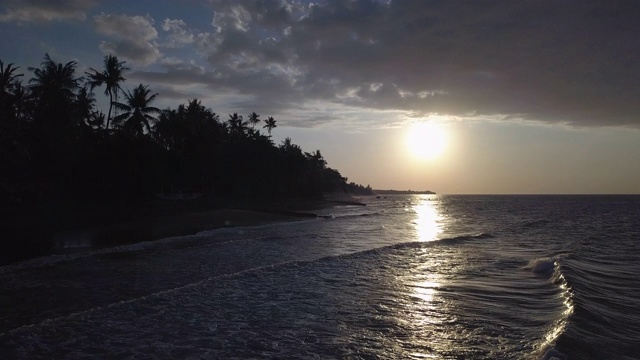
76,228
179,220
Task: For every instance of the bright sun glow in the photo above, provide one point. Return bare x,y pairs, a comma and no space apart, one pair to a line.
426,141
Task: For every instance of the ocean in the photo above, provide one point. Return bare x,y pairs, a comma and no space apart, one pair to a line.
405,277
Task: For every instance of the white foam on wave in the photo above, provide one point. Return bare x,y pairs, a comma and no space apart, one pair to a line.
550,266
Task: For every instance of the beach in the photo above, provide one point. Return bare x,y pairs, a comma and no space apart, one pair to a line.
170,219
71,227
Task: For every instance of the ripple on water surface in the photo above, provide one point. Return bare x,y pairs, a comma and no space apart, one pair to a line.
409,300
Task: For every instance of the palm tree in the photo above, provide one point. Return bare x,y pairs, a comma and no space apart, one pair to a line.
9,86
22,101
53,82
8,79
288,147
85,103
54,92
96,119
237,125
136,111
110,77
254,119
270,123
317,160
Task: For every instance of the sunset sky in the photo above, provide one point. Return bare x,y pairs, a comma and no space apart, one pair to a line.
533,96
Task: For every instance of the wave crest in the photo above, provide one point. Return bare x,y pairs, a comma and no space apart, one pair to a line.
542,266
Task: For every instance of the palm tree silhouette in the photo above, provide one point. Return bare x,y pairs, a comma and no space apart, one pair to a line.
53,89
8,79
317,160
270,123
110,77
288,147
22,101
85,103
136,111
96,119
54,81
11,91
254,119
9,87
237,125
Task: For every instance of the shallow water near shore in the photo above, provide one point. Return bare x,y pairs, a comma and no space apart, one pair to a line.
407,276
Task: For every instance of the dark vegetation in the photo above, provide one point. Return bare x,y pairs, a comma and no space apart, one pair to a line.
65,164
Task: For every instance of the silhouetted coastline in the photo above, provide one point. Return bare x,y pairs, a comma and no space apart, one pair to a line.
402,192
67,166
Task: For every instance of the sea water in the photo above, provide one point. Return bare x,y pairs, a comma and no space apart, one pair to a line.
411,276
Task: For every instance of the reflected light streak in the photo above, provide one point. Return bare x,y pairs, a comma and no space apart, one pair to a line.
425,290
426,312
428,221
424,309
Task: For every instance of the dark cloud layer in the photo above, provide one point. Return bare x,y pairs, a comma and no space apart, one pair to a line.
570,61
25,11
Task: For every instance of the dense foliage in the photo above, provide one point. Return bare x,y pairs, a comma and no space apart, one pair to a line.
55,143
57,151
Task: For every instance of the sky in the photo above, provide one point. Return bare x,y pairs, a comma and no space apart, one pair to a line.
525,97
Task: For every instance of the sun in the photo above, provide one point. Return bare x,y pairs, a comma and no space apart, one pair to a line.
426,141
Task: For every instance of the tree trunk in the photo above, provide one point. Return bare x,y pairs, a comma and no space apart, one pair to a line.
110,106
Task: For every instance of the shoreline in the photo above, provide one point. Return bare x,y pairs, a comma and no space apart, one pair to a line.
184,224
165,219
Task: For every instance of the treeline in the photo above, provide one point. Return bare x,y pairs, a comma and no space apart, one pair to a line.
56,143
57,148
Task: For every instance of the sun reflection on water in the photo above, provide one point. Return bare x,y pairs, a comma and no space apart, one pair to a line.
425,290
450,304
428,225
428,222
426,311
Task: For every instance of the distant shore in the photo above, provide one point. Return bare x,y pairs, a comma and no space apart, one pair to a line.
403,192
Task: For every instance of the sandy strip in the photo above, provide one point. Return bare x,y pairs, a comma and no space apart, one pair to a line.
186,224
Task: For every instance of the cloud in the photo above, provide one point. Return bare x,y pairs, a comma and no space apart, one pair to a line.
126,27
45,10
179,36
568,62
143,53
234,17
171,61
178,73
133,37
